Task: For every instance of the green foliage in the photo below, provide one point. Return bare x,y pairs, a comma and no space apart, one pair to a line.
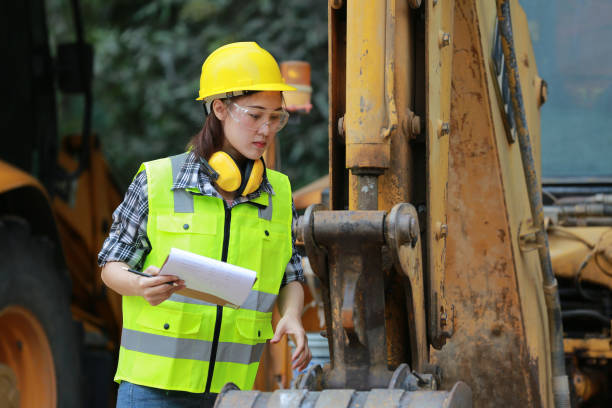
148,56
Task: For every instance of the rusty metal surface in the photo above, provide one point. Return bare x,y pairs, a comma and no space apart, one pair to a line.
458,397
489,349
439,67
403,237
345,249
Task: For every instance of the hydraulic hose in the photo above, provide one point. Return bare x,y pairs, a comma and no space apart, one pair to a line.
553,304
585,313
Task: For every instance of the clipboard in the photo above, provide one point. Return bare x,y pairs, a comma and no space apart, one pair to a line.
208,279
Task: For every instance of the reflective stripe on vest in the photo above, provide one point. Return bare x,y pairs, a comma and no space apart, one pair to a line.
183,201
176,336
259,301
192,349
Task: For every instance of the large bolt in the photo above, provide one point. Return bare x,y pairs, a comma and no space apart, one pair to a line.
444,39
335,4
415,125
607,253
341,127
443,128
413,232
298,228
414,4
443,318
441,230
411,124
542,85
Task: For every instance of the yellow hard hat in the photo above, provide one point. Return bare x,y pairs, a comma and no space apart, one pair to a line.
236,67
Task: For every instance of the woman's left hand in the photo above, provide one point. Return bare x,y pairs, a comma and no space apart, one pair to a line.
292,325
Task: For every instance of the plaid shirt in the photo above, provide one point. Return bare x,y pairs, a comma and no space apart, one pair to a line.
128,241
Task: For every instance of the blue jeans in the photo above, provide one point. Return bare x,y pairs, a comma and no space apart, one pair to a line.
138,396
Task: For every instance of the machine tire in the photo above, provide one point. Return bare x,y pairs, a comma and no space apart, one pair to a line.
31,278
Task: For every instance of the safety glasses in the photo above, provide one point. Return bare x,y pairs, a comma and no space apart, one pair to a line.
254,118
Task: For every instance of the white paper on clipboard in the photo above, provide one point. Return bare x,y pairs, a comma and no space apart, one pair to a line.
208,279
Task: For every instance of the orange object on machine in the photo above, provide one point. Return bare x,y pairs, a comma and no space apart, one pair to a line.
297,74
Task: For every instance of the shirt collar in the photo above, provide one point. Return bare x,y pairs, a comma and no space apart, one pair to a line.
193,175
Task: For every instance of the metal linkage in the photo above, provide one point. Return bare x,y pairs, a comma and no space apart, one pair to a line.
402,236
353,240
345,252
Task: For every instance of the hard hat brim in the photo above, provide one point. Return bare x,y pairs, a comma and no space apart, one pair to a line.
258,87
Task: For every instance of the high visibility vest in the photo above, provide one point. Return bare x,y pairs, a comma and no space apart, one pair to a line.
191,345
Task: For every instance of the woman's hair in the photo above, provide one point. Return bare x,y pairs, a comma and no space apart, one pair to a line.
209,139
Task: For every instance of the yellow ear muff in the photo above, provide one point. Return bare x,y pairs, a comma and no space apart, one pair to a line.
255,177
230,177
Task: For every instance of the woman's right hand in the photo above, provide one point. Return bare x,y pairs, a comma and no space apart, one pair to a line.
156,289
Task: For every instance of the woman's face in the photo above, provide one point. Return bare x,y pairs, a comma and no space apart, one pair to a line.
243,139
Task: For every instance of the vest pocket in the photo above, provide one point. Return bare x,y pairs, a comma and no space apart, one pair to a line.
187,223
190,232
169,321
255,330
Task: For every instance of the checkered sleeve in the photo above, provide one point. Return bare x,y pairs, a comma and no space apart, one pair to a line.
127,241
294,271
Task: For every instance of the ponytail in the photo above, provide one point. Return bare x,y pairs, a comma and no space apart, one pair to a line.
209,139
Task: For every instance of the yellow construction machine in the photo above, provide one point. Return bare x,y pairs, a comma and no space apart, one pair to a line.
446,278
59,325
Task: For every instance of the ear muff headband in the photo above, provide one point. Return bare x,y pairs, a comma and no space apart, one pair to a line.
230,176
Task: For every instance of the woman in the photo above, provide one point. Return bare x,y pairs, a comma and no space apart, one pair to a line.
216,200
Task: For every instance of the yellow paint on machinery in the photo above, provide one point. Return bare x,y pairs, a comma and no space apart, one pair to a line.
439,42
492,287
487,302
571,246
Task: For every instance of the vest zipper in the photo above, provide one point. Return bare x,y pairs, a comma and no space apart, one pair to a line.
215,343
